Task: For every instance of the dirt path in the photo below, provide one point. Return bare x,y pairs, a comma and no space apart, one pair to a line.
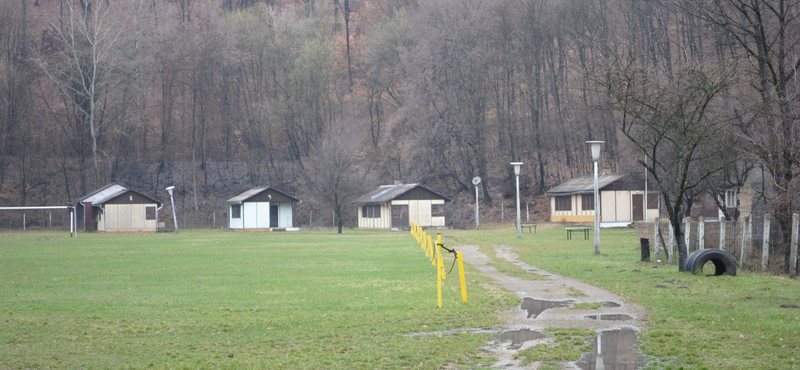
523,325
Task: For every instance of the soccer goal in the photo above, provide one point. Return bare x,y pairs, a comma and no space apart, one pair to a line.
49,215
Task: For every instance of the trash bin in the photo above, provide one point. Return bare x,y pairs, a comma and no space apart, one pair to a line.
644,244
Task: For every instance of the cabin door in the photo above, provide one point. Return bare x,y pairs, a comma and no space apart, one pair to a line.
638,207
273,215
400,216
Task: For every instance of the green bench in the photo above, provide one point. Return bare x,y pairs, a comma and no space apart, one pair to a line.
585,230
529,225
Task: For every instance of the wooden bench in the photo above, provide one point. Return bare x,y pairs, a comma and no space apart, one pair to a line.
585,230
529,225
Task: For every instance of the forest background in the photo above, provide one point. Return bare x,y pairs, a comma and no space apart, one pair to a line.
327,99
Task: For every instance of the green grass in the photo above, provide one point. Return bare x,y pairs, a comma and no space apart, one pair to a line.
314,300
694,321
568,345
219,299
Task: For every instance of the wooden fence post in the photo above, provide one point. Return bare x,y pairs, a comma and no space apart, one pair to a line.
765,242
671,243
656,228
722,224
687,237
745,236
701,233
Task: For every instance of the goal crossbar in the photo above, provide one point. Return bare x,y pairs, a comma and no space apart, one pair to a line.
35,207
72,226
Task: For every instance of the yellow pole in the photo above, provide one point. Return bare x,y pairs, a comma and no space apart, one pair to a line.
441,262
433,251
461,277
439,280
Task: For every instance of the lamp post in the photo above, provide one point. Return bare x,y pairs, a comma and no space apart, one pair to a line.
476,181
172,201
516,173
595,145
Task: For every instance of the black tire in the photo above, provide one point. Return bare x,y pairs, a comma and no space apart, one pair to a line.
724,264
690,260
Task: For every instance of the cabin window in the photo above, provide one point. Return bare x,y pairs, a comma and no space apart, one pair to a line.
437,210
149,213
373,211
563,203
587,202
236,211
730,199
652,200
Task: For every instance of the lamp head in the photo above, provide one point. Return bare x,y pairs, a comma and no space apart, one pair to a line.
595,145
169,190
516,167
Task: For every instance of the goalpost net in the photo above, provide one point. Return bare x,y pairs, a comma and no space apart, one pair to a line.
44,218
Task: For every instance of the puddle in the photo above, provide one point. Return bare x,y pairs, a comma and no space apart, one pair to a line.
536,306
613,350
610,317
517,337
611,304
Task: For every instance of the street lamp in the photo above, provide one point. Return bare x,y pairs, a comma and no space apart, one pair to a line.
595,145
476,181
172,201
516,173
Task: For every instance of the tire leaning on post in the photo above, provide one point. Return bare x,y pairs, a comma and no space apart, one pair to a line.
724,263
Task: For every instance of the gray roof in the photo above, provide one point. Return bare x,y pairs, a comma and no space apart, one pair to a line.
584,184
247,194
385,193
109,192
103,194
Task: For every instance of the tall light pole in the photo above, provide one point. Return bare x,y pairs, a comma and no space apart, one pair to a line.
172,201
516,173
595,145
476,181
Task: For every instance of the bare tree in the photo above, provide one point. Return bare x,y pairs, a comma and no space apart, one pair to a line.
334,172
81,59
679,128
767,32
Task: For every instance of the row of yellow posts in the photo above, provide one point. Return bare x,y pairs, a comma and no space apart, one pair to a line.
434,253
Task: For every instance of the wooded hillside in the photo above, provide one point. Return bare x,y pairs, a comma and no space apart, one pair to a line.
218,96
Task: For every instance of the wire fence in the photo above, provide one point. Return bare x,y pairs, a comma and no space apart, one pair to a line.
745,239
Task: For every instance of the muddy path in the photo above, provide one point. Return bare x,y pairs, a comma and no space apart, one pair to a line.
550,302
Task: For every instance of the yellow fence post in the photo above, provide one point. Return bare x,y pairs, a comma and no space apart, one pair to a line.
461,277
439,276
426,246
440,261
433,251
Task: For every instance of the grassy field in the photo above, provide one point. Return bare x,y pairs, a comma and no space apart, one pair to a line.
695,321
361,300
220,299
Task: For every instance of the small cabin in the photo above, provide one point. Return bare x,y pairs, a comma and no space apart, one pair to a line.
115,208
623,200
262,208
396,206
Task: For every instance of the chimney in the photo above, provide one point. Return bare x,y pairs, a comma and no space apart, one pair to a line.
398,182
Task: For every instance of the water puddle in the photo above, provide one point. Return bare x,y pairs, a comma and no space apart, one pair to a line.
610,317
613,350
536,306
517,337
611,304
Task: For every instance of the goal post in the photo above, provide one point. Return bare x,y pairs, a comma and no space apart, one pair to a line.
71,209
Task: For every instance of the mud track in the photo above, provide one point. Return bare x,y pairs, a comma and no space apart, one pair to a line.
533,317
